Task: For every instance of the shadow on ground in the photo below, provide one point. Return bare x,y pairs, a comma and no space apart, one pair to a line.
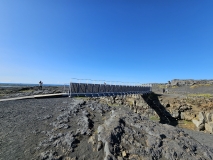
165,117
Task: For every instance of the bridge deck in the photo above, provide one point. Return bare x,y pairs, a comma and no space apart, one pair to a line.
35,96
74,95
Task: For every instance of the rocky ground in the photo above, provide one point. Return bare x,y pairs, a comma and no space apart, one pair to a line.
192,103
185,90
98,128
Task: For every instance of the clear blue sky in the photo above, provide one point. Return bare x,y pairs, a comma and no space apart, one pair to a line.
118,40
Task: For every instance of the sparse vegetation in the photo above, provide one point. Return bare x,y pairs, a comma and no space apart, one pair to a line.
25,91
130,103
207,95
186,124
199,85
162,86
174,86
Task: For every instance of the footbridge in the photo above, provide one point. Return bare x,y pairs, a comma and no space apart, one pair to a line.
96,90
76,89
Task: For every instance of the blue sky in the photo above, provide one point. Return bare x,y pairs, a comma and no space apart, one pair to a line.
113,40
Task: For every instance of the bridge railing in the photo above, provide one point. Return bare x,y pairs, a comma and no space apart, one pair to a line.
89,89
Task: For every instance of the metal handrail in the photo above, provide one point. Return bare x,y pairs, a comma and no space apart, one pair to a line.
103,89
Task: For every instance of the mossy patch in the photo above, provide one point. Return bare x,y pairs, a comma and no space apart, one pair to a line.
154,118
81,97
